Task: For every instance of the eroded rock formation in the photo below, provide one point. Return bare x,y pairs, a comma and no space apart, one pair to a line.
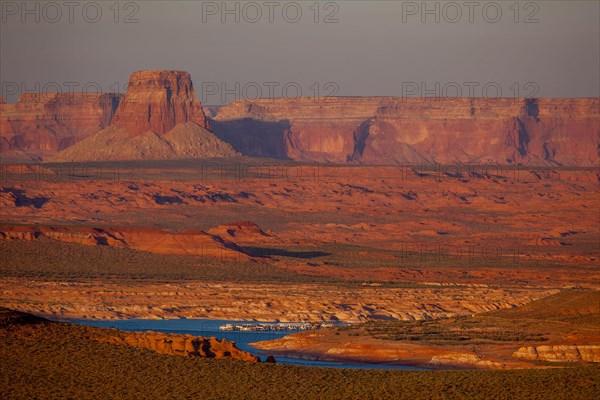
560,353
463,360
162,343
159,118
157,101
387,130
182,345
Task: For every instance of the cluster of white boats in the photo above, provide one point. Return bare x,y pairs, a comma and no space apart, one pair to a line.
275,326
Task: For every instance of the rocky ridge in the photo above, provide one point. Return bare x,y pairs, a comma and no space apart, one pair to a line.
182,345
196,243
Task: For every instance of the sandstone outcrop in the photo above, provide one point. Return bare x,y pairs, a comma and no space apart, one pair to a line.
41,124
244,233
463,360
560,353
182,345
158,101
387,130
195,243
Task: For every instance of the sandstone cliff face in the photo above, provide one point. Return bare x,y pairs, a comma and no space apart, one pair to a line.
182,345
565,353
303,129
386,130
42,124
157,101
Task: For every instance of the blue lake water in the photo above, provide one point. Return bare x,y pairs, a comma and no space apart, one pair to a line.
210,328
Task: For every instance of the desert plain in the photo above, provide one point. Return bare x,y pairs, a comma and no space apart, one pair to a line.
438,249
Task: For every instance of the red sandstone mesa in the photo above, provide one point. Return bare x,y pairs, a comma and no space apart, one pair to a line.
159,118
158,101
388,130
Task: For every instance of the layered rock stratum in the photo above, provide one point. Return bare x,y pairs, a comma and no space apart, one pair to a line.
389,130
560,353
39,125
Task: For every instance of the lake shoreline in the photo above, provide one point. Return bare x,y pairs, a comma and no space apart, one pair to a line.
243,339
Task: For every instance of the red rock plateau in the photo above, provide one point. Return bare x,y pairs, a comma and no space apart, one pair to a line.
387,130
159,118
39,125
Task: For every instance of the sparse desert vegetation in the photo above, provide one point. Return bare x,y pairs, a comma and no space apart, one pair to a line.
42,360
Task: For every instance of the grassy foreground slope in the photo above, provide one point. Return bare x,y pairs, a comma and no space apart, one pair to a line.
55,360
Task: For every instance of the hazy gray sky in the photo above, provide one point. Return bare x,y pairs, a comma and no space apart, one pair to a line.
374,48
